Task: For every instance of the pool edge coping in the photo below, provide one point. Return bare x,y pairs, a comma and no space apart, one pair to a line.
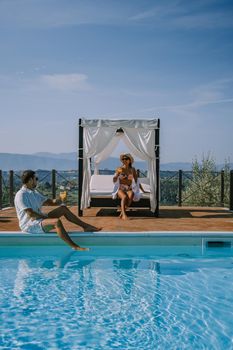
123,234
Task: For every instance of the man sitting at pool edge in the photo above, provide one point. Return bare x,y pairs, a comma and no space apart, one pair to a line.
28,203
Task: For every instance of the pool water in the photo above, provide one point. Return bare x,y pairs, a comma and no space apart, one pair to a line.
116,298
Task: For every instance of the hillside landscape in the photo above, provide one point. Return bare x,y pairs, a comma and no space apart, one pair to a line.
68,161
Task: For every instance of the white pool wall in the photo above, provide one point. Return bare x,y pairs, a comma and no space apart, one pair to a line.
117,238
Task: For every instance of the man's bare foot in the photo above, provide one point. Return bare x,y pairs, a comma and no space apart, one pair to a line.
120,216
80,248
90,228
124,217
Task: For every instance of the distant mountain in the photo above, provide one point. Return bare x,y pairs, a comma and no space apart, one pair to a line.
68,161
9,161
48,161
176,166
68,156
113,162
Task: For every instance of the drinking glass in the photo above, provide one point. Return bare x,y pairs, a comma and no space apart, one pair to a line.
63,197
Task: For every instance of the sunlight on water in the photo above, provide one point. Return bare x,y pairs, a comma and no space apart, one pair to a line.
66,300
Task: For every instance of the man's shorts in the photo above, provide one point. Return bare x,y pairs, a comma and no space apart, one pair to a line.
34,226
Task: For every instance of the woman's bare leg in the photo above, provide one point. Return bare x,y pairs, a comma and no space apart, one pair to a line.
130,195
123,196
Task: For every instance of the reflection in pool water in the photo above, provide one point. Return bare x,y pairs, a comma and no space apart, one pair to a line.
57,299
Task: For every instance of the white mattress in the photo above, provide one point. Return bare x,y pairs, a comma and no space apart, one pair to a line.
102,186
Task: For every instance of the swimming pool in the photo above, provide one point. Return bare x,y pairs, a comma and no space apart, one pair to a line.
117,297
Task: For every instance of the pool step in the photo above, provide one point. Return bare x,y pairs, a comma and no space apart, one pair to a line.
218,244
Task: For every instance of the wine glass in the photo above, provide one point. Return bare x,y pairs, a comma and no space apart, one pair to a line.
119,171
63,197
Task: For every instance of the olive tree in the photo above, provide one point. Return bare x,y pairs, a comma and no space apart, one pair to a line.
205,186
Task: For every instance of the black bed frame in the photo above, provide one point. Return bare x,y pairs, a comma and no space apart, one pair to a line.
109,202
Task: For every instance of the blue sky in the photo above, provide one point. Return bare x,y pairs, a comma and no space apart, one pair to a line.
61,60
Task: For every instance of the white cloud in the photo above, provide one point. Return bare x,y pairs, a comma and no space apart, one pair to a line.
53,13
65,82
193,100
187,15
159,12
214,92
56,82
169,14
208,20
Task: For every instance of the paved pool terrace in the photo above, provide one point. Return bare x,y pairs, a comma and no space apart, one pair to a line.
171,219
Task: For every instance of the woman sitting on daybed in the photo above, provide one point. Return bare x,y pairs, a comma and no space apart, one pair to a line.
126,183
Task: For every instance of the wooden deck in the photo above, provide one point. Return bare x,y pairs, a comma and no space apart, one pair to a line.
170,219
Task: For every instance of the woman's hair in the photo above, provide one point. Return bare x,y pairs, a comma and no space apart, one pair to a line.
27,175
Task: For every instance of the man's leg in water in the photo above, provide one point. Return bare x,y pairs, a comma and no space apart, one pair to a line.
61,232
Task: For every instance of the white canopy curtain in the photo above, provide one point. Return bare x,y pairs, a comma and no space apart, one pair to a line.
106,151
98,136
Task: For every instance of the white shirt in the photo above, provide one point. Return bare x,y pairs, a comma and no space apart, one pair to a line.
27,199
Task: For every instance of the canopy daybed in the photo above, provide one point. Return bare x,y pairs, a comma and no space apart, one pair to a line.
97,140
